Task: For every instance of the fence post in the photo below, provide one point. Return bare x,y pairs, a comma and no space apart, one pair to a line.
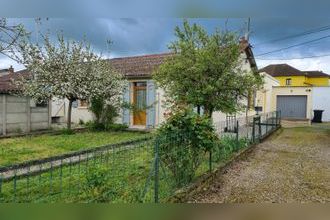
210,161
0,185
254,130
260,131
237,134
280,117
267,123
156,172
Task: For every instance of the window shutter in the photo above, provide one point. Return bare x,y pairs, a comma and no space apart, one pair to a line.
151,104
126,99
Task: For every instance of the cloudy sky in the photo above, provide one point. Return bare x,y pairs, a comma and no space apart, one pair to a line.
137,36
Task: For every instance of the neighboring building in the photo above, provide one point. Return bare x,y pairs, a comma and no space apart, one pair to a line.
290,76
141,91
20,114
265,95
299,91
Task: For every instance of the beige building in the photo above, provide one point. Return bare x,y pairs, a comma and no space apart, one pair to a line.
142,91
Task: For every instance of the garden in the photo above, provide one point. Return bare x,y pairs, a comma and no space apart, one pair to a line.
105,166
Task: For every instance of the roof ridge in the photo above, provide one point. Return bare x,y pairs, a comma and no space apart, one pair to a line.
142,55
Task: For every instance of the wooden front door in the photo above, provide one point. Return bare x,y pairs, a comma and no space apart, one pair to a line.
140,103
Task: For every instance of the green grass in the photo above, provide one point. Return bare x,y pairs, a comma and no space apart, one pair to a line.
16,150
119,175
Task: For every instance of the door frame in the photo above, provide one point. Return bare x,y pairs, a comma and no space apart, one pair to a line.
306,105
144,112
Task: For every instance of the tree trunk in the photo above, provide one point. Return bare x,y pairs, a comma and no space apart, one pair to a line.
199,109
208,112
69,114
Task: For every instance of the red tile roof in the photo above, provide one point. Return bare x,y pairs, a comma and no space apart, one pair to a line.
316,74
287,70
139,66
6,85
281,70
134,66
144,65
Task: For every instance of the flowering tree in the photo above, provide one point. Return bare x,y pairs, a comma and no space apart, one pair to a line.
68,69
9,37
206,71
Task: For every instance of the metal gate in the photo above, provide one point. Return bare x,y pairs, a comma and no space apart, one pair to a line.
292,106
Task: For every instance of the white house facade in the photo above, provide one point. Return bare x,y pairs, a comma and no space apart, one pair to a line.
141,91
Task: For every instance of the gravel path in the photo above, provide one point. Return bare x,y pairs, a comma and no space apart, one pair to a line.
291,166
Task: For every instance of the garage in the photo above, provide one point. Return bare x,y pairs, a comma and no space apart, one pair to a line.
292,106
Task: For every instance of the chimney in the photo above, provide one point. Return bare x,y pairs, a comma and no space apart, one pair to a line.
11,70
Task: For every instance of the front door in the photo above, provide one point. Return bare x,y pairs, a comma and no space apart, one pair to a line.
140,103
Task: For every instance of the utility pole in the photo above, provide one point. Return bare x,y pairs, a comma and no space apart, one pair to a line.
247,33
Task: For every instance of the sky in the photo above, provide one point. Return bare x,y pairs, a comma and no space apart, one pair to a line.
149,35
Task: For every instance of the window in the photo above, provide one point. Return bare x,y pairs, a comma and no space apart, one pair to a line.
83,103
288,82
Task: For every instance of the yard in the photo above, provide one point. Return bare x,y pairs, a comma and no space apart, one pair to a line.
16,150
292,166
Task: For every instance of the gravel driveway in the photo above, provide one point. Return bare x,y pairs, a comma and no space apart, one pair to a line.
291,166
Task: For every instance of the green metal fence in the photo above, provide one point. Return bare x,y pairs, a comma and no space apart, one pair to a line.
112,173
181,166
136,171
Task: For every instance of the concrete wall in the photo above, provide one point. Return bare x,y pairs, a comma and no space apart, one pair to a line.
304,90
321,101
19,115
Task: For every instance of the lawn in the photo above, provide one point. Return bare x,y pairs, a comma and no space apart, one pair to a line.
16,150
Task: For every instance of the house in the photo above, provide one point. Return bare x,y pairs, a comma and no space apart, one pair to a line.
299,92
264,96
142,91
290,76
20,114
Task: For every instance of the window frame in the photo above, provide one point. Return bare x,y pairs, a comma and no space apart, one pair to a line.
288,81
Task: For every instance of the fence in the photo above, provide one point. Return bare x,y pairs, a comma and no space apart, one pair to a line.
115,173
178,166
141,170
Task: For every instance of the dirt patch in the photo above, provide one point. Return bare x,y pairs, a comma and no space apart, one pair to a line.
292,166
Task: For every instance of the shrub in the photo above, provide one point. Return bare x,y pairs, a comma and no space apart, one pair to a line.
96,184
227,146
95,126
116,127
81,122
104,112
66,131
183,141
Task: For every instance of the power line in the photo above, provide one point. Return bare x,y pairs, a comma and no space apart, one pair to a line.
296,58
312,31
292,46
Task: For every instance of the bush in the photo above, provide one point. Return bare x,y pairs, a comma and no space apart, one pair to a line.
66,131
104,112
96,184
183,141
81,122
227,146
116,127
95,126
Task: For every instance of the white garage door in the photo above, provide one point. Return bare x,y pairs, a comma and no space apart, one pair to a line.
292,106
